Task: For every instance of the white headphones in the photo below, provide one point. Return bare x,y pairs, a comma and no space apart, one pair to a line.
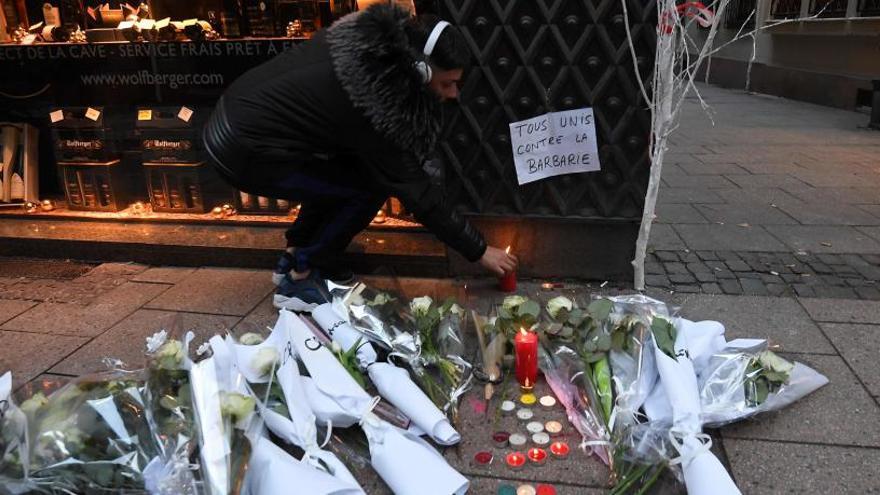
422,66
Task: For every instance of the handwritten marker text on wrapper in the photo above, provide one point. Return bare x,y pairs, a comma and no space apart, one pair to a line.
555,143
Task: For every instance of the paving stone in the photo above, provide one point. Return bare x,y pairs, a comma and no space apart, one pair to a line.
830,259
858,345
675,267
803,290
842,310
671,195
263,316
815,213
698,267
86,321
819,417
749,275
730,286
491,486
738,266
689,257
857,282
826,239
163,274
707,255
728,256
773,468
835,292
654,268
712,236
705,276
712,169
678,213
873,259
758,266
844,270
716,265
791,277
832,280
821,268
750,213
868,271
666,256
801,268
768,278
9,309
753,287
765,180
664,237
777,289
725,274
222,291
711,288
687,288
682,278
781,320
29,354
126,339
870,293
657,281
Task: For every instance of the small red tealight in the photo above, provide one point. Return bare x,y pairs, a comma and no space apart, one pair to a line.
546,490
537,456
483,458
501,439
559,450
516,460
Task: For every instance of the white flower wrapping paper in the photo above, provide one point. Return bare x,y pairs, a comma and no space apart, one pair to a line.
393,383
407,463
703,472
299,429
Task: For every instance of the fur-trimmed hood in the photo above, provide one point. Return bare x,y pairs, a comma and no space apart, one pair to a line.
373,61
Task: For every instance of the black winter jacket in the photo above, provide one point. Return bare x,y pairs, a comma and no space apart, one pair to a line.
350,90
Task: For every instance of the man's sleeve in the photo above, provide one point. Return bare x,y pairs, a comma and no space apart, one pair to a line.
399,174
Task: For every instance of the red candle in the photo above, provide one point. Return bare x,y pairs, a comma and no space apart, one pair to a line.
559,450
516,460
526,348
507,283
537,456
546,490
483,458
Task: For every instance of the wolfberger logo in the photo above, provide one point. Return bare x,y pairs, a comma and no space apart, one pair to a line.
76,144
162,144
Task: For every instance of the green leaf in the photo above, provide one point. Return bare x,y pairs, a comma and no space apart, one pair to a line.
531,308
600,309
603,342
664,335
618,341
576,317
590,346
503,313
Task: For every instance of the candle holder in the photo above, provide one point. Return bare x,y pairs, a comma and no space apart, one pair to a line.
548,401
525,414
541,439
560,450
517,440
501,439
528,399
515,460
507,407
483,458
47,205
537,456
553,428
546,490
526,490
535,427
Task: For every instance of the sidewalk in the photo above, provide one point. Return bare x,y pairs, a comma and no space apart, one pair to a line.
776,188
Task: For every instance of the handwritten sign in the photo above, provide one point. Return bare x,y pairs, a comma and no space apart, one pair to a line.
555,143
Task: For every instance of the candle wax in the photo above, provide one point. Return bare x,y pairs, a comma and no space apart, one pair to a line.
528,399
526,490
535,427
554,428
526,367
524,414
516,460
507,283
483,458
541,439
548,401
537,456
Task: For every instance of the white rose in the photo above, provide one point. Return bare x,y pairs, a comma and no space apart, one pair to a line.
236,406
335,347
37,401
155,341
456,310
557,303
511,303
264,360
251,338
420,305
170,355
380,299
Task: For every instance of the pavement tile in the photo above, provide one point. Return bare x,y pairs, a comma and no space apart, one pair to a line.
29,354
765,180
163,274
840,413
771,468
858,345
221,291
753,214
264,315
824,179
698,181
89,320
126,340
827,239
664,237
837,195
874,232
698,168
842,310
678,213
781,320
670,195
713,237
820,213
9,309
490,486
759,195
578,469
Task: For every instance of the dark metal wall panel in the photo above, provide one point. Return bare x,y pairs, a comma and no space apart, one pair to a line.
534,56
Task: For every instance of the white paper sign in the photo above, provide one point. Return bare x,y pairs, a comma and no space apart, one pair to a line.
93,114
184,114
555,143
56,116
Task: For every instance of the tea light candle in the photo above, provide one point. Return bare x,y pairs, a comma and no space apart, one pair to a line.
506,490
508,406
525,414
554,428
548,401
537,456
535,427
559,450
541,439
546,490
526,490
501,439
516,460
47,205
528,399
517,440
483,458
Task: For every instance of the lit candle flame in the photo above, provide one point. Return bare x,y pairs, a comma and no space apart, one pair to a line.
507,250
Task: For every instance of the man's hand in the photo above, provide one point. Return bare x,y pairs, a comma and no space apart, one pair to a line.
498,261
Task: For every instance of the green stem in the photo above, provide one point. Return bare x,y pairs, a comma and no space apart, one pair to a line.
631,478
650,482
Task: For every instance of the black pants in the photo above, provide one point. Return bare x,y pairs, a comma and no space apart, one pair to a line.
335,203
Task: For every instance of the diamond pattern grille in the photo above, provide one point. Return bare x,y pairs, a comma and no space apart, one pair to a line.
535,56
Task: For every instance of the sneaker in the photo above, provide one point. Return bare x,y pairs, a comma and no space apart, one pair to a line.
283,268
301,296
